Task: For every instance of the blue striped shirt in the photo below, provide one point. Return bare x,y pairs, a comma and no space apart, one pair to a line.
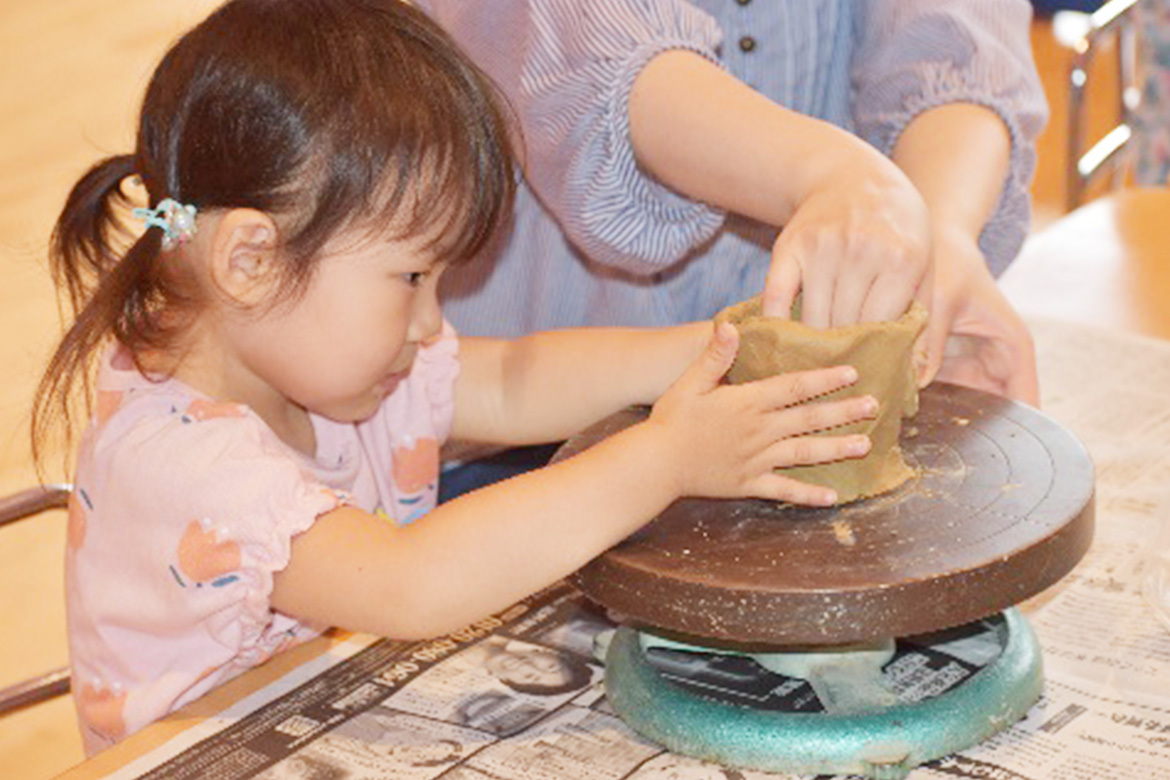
595,241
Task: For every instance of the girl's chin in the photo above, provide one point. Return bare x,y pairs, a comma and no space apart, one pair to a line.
361,409
355,412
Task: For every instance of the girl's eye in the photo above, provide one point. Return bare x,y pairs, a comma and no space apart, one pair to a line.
415,278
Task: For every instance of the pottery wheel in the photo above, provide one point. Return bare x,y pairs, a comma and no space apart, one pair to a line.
1001,507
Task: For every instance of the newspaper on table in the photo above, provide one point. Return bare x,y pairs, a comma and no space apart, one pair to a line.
520,696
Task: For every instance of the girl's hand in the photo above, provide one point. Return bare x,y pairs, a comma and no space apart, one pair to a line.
975,338
858,247
727,440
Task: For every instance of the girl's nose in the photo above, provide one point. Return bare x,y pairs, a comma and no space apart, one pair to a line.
427,318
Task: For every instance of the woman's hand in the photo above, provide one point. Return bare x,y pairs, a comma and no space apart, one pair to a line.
727,440
855,235
858,247
974,337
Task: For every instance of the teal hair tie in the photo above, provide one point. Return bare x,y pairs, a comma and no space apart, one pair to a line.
175,220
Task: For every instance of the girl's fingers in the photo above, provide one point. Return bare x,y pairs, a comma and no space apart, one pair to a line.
805,451
780,488
796,387
812,417
811,450
707,371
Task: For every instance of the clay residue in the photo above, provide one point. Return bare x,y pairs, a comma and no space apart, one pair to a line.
844,533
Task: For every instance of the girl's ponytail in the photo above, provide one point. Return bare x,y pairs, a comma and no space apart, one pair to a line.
80,251
92,258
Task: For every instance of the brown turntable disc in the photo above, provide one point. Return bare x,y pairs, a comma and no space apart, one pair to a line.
1000,508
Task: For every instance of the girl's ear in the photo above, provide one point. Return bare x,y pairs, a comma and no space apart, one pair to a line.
243,255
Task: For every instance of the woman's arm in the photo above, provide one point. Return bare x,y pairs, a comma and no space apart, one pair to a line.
949,89
913,56
855,236
958,157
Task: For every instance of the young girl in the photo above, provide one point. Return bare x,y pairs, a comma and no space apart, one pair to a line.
275,378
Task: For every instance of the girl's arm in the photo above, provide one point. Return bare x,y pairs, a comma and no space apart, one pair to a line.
547,386
482,552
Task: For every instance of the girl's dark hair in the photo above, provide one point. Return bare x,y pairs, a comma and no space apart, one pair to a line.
328,113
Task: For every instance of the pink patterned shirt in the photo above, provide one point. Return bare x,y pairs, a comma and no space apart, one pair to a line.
184,507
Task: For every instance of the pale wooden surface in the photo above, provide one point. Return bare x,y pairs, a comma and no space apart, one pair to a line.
1106,264
71,75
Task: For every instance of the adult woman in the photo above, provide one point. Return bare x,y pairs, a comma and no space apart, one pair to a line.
665,142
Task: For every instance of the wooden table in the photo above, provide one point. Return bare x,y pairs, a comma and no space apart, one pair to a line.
1107,264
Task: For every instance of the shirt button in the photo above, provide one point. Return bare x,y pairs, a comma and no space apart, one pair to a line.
747,43
743,2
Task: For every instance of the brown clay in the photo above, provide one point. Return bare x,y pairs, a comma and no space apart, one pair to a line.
882,354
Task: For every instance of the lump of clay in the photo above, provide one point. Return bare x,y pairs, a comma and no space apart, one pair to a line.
882,354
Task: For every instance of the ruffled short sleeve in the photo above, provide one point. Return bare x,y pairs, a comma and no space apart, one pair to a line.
568,68
184,510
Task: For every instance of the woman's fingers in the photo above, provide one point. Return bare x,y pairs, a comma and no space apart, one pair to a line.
783,282
890,294
849,296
